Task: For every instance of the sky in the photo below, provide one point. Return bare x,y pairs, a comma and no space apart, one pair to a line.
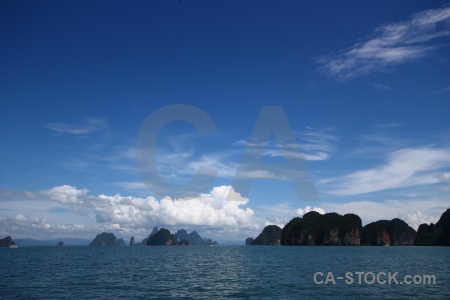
220,116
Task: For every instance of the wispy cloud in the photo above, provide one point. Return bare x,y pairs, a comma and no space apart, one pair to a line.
314,144
388,125
404,168
89,126
318,143
390,45
132,186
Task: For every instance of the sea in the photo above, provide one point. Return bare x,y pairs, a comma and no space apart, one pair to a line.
225,272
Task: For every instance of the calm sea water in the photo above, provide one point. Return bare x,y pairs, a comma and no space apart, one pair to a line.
217,272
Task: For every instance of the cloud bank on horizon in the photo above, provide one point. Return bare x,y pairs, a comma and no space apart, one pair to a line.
211,213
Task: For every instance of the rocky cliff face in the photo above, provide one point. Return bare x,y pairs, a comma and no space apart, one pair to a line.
327,229
434,235
352,237
271,235
104,239
132,242
394,233
338,237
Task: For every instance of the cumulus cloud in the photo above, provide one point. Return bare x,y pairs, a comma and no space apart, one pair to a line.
209,213
21,221
390,45
21,218
24,226
300,212
403,168
65,194
89,126
210,210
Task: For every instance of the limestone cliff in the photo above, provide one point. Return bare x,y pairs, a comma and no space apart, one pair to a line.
327,229
271,235
395,232
104,239
434,234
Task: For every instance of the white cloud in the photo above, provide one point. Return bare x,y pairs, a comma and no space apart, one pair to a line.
64,194
209,213
314,144
21,218
89,126
21,226
404,168
416,218
209,210
178,166
300,212
391,45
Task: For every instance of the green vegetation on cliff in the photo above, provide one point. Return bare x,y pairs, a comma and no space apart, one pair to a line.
271,235
395,233
327,229
104,239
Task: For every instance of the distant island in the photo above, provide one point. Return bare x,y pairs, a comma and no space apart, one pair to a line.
7,242
161,237
271,235
337,230
107,239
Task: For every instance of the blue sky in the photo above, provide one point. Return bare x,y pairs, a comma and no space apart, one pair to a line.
364,88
